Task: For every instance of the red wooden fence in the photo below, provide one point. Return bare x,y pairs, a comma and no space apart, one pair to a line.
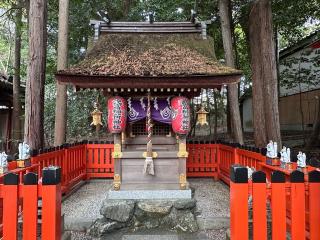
17,196
301,226
202,160
85,161
99,161
71,159
226,157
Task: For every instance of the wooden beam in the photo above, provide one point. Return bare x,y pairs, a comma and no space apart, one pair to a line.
197,81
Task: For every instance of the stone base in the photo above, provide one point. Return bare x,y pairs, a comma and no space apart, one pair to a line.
136,215
149,194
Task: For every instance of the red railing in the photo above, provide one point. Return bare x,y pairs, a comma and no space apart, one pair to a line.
17,196
99,161
71,159
202,160
226,158
86,161
289,202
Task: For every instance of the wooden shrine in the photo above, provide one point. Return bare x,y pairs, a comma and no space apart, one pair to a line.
148,72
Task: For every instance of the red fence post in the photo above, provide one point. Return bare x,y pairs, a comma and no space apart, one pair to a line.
278,205
259,203
30,206
298,223
314,204
51,204
10,206
239,203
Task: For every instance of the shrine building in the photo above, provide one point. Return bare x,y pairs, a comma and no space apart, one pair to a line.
148,73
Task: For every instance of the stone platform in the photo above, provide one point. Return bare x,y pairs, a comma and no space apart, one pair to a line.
135,215
150,194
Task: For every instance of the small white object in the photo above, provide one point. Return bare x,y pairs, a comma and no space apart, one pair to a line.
302,158
24,151
272,149
3,160
285,155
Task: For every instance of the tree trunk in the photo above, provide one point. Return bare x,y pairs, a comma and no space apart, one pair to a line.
264,74
33,134
16,112
229,55
61,100
126,8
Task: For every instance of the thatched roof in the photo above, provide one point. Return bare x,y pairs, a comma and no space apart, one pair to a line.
151,55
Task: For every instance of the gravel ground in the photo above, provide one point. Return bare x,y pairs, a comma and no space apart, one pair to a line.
86,202
212,197
216,234
212,201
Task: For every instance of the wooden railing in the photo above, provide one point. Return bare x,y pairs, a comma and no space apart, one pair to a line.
99,160
226,157
70,157
289,203
202,160
17,196
83,161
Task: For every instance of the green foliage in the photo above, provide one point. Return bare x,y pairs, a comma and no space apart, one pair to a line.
290,18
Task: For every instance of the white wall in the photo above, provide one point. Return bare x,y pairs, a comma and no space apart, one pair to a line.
304,87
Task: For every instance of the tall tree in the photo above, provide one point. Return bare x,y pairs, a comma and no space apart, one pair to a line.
229,56
264,74
16,112
34,103
61,100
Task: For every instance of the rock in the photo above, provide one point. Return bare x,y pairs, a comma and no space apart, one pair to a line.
152,209
152,223
184,204
182,220
103,226
118,210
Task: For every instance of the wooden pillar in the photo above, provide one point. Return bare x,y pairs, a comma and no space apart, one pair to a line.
117,161
182,154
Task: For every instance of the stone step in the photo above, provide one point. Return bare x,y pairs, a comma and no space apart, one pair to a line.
150,237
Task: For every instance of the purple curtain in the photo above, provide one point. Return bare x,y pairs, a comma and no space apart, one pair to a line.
137,109
160,110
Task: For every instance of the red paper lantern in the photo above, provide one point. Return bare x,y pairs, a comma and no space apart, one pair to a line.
117,114
180,115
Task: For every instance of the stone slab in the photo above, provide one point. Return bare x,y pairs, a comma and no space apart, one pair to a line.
150,194
150,237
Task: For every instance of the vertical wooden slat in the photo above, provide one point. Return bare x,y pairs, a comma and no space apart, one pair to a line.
314,205
297,198
10,206
239,203
201,160
278,205
259,198
51,206
235,156
30,206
